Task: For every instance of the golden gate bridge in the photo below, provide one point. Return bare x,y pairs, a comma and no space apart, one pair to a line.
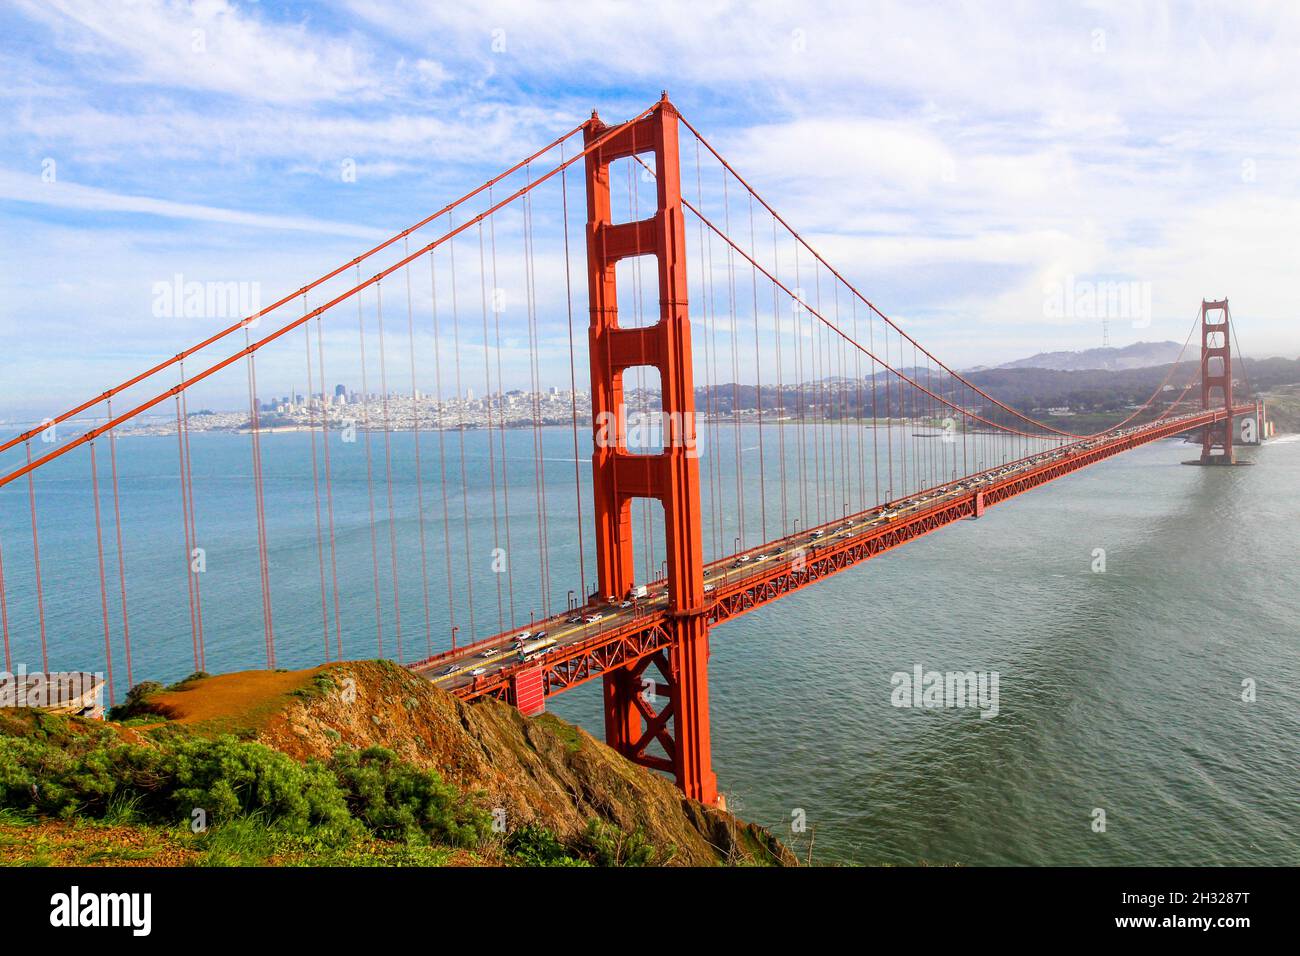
865,441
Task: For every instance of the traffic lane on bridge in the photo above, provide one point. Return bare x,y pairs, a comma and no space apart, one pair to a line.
500,655
755,561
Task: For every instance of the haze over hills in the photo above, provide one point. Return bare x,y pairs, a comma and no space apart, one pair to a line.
1137,355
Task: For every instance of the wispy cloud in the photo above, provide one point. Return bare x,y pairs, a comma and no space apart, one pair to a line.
26,188
953,163
214,46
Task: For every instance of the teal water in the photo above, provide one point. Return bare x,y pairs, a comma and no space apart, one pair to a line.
1119,690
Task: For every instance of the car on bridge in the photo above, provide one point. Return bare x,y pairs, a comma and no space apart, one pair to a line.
537,648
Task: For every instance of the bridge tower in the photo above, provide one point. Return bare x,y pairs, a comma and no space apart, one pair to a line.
1216,381
672,477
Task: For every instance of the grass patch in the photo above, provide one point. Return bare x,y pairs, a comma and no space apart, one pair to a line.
566,732
322,685
185,683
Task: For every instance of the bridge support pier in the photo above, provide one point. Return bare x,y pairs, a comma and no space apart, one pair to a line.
1216,382
681,726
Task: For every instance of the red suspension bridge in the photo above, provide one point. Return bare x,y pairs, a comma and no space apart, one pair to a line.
753,422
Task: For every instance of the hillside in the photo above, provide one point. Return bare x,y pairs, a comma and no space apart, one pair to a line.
1137,355
557,785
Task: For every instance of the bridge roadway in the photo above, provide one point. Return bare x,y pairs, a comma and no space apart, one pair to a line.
607,634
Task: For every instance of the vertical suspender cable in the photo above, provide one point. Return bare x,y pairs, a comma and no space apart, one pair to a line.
758,378
329,496
370,480
388,465
194,525
780,388
103,577
442,450
573,380
315,482
461,401
488,399
539,461
4,615
258,500
36,560
121,561
505,466
416,411
185,524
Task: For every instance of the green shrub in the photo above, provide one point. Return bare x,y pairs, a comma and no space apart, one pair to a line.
397,800
185,682
261,803
610,846
532,845
225,777
230,778
137,701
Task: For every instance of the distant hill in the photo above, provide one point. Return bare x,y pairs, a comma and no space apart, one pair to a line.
1137,355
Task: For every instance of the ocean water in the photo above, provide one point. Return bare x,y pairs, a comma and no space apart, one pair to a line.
1120,691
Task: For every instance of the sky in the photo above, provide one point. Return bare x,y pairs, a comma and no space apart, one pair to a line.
969,167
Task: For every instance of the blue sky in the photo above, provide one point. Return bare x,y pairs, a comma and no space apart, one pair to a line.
957,164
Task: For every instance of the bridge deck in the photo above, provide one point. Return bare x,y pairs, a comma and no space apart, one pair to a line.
740,583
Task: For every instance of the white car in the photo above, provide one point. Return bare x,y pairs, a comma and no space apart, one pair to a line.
478,671
593,618
489,652
710,588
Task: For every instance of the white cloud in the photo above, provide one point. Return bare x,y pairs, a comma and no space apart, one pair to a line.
26,188
211,45
949,161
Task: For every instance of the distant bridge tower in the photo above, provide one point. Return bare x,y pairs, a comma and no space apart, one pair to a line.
672,477
1216,382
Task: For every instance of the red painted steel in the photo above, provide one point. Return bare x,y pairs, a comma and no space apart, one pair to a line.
528,691
623,646
1216,381
671,477
653,661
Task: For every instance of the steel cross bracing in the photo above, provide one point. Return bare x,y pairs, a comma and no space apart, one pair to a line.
597,650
